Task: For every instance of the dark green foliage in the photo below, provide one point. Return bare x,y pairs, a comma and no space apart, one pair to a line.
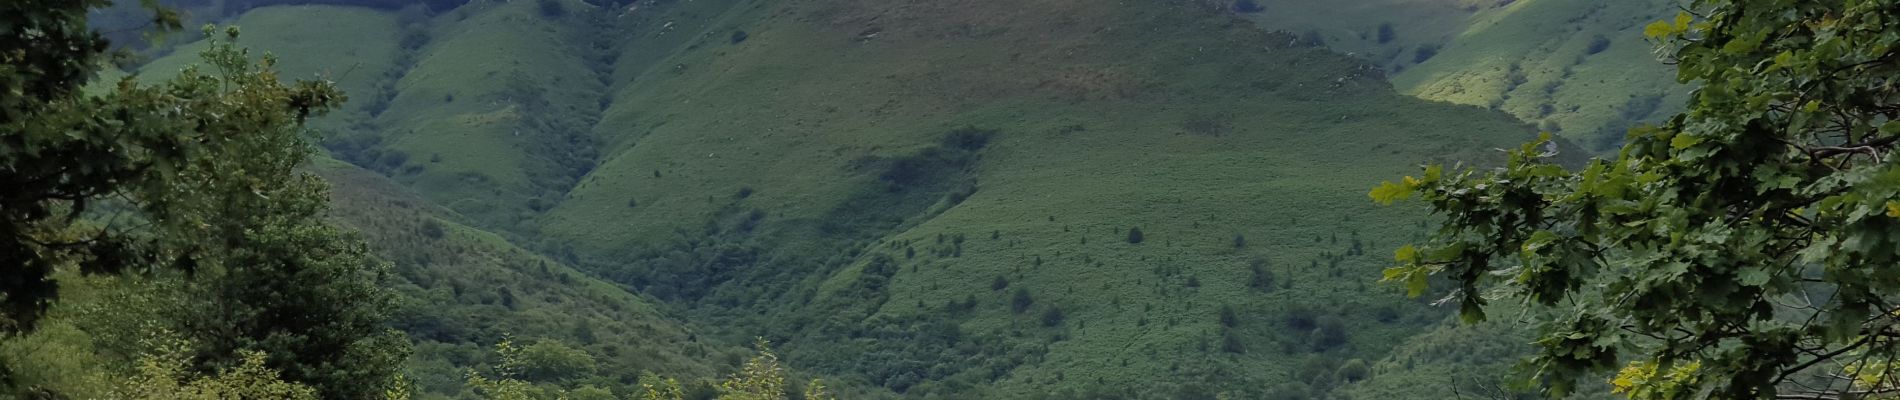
1240,241
1385,34
1598,44
999,283
907,186
1231,342
432,229
555,361
1248,6
1260,278
79,153
1424,52
1021,301
1353,370
1228,318
1134,235
744,193
1776,184
1052,317
739,36
507,297
551,8
1329,333
267,273
1301,319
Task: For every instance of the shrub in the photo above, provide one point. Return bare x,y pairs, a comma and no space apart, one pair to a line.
1240,241
1424,52
1598,44
1330,333
1262,278
1228,318
1385,33
393,159
739,36
1052,317
553,360
552,8
432,229
1231,342
1021,301
1134,235
1248,6
999,283
1301,319
1353,371
1312,38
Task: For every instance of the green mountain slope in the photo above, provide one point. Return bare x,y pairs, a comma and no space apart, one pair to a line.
915,199
462,289
796,184
1580,68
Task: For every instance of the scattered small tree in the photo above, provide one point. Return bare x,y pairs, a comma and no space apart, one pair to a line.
1021,301
1424,52
1248,6
1262,278
1231,342
1598,44
1134,235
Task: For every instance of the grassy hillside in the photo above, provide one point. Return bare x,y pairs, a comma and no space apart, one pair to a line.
350,46
1580,68
797,184
463,289
918,199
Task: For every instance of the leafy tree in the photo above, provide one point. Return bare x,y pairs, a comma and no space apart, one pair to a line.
164,376
199,174
1745,248
553,360
272,275
1134,235
761,378
507,383
62,150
